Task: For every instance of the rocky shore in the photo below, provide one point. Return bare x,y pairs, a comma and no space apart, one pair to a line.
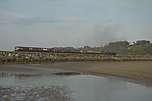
33,94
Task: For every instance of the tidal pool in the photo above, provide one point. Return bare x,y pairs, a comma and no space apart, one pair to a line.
70,88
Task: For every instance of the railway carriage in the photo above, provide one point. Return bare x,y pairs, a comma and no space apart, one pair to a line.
60,50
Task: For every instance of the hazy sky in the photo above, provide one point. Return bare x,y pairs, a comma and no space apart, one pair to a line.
49,23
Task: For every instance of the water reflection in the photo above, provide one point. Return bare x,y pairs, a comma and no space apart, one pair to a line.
70,88
17,75
22,75
17,86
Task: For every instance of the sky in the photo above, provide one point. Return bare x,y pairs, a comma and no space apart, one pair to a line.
76,23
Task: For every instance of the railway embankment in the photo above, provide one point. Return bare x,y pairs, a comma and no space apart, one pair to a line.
42,57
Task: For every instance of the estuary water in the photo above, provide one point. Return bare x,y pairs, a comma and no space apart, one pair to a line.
26,87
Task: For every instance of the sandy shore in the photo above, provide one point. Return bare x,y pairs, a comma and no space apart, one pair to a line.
137,70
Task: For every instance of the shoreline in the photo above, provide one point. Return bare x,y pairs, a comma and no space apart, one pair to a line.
140,71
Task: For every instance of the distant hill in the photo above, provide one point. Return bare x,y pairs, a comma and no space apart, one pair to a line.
140,47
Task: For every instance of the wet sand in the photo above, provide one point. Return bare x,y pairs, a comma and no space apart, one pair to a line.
29,68
136,70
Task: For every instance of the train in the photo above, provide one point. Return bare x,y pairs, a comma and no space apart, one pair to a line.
60,50
55,49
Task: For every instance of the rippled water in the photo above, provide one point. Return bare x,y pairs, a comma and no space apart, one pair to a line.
71,88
